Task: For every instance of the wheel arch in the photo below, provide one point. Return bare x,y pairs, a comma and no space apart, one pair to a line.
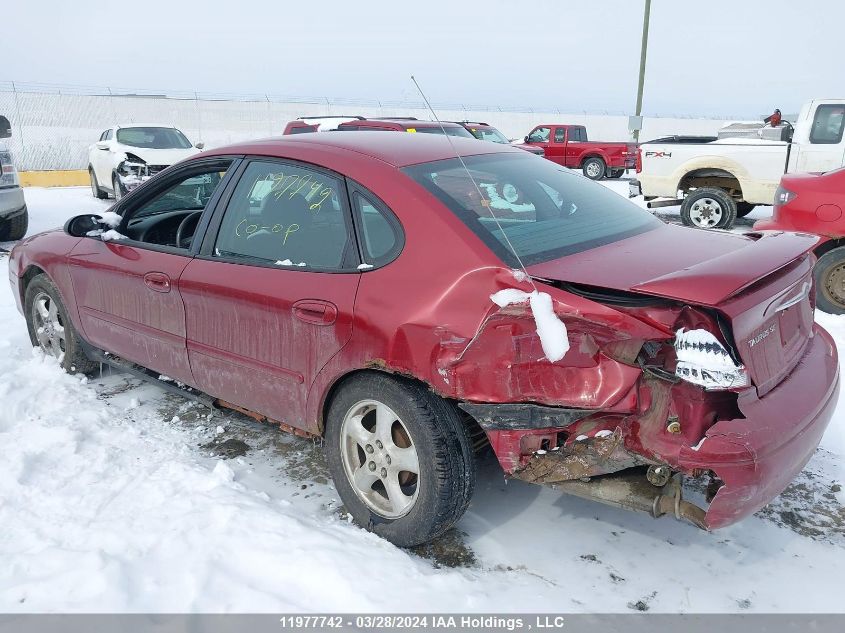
592,154
712,177
31,272
827,246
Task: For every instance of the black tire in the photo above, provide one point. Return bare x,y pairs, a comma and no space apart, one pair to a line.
446,463
829,275
617,173
117,188
96,191
744,208
74,359
15,228
594,168
715,210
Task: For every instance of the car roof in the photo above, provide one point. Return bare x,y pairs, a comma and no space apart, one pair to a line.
406,122
125,125
398,150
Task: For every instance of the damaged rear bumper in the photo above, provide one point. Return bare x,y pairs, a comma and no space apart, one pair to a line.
758,456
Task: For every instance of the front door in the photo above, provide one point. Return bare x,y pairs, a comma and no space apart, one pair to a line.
824,146
270,298
126,282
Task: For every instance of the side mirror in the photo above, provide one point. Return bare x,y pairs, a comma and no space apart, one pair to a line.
527,139
199,145
83,225
104,145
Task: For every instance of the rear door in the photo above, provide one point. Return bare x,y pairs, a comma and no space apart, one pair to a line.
126,289
270,298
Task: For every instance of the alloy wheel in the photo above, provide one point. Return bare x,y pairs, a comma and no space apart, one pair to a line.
706,213
834,284
380,459
593,170
49,329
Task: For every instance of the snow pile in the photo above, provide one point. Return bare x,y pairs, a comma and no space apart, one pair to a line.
551,330
110,218
111,235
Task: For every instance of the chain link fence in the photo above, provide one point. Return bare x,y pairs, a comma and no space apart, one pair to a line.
53,125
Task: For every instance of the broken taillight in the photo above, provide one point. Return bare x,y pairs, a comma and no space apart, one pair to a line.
703,360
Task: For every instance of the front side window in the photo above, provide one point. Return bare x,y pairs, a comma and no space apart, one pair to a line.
286,215
171,216
541,208
560,135
539,135
828,124
153,138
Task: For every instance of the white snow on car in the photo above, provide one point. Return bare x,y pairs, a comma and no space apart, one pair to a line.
127,155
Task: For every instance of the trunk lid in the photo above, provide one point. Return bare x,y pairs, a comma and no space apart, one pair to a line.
761,283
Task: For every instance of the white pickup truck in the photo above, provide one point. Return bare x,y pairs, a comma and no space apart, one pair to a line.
717,181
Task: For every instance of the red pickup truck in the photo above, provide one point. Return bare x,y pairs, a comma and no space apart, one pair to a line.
567,145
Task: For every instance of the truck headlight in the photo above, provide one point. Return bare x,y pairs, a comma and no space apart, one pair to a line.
703,360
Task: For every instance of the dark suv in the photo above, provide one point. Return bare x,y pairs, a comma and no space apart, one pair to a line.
406,124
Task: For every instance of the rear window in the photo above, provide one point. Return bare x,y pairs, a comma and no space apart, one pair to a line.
545,211
449,131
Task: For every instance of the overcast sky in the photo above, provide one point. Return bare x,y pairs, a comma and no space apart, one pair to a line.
706,57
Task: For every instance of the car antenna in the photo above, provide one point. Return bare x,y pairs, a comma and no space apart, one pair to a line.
484,199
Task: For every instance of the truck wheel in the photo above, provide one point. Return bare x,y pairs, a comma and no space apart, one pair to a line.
15,228
95,186
117,187
744,208
51,329
400,458
594,168
708,208
829,275
617,173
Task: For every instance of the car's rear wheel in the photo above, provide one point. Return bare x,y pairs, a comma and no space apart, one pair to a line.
95,186
594,168
829,276
117,187
15,228
50,329
400,458
744,208
708,208
617,173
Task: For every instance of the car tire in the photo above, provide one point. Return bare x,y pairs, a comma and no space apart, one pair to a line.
708,208
829,276
617,173
594,168
95,186
117,187
744,208
425,432
50,329
14,229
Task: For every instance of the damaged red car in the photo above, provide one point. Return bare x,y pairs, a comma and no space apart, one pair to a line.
411,307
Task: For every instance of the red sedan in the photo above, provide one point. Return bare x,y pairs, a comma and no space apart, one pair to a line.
412,307
814,203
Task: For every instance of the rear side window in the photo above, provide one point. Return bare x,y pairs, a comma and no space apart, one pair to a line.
828,124
287,215
381,235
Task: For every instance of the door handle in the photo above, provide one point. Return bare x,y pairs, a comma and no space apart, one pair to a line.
157,281
315,311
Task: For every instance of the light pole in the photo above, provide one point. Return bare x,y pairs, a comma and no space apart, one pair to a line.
643,50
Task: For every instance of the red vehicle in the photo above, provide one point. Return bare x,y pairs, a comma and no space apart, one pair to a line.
369,289
305,124
567,145
486,132
813,203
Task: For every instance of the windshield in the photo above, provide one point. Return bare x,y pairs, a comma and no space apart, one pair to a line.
489,134
450,131
544,210
153,137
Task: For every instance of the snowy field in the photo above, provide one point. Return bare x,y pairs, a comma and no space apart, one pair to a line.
117,496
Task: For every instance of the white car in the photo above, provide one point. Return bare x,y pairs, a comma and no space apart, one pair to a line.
127,155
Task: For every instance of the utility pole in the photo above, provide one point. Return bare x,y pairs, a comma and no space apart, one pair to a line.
643,50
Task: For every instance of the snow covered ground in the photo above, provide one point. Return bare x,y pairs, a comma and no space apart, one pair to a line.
117,496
